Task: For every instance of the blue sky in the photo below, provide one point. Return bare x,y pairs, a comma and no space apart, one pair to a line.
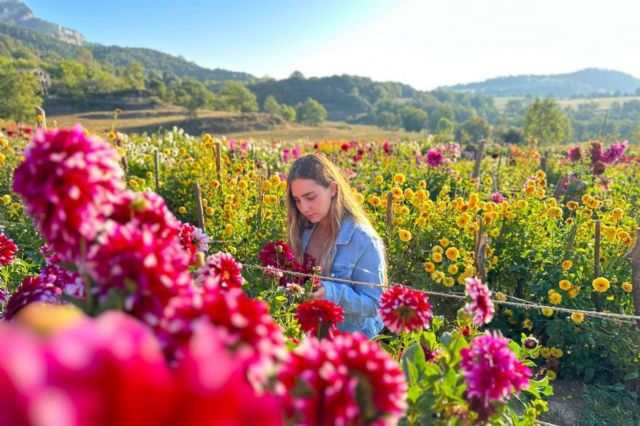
424,43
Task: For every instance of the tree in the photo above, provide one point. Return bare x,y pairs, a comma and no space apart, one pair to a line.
445,126
387,120
190,94
413,119
236,97
310,112
472,130
271,106
545,123
19,94
288,113
135,75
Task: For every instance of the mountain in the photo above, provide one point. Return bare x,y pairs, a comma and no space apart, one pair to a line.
588,81
44,38
16,13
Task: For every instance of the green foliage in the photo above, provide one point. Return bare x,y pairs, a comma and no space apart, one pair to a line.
236,97
310,112
190,94
272,107
19,91
546,124
472,130
413,119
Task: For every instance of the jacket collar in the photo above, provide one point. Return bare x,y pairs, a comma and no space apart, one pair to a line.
347,228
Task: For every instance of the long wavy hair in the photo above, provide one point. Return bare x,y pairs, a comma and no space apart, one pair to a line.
318,168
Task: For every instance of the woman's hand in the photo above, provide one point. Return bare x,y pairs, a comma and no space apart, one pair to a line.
319,294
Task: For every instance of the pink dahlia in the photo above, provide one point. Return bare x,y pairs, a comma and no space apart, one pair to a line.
101,371
492,371
435,158
220,270
212,386
146,208
497,197
68,182
574,153
481,304
403,309
319,316
8,250
187,237
248,329
149,270
615,152
346,380
32,289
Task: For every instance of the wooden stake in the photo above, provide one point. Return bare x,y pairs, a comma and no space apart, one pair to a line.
389,209
199,211
218,146
634,257
156,169
476,167
480,248
596,266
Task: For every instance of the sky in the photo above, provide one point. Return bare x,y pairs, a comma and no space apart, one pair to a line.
424,43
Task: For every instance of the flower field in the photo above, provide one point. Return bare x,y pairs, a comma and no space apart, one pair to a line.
167,281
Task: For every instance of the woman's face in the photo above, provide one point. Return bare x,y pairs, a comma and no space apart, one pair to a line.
312,199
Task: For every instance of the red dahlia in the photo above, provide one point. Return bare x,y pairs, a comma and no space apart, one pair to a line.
8,250
220,270
345,380
403,309
316,315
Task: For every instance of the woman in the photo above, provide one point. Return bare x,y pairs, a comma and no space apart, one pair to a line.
326,221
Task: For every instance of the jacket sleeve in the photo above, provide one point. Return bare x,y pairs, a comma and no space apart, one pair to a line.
357,299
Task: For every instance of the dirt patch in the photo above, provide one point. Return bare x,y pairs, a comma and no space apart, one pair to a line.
216,125
565,404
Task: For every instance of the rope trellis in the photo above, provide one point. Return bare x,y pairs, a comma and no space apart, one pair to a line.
521,303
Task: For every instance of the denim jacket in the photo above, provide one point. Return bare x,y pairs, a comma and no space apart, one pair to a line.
357,256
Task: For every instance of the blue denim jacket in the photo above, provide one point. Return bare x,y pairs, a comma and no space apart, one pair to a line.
357,256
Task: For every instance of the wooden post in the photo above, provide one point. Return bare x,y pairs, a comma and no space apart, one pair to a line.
41,123
634,257
570,242
389,209
480,248
543,162
156,169
199,211
496,178
596,266
476,167
218,146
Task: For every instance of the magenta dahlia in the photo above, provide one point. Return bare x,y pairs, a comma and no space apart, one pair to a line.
68,182
481,304
345,380
248,328
8,250
316,315
492,371
220,270
32,289
146,208
403,309
150,270
435,158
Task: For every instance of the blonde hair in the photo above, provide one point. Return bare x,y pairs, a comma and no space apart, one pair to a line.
321,170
